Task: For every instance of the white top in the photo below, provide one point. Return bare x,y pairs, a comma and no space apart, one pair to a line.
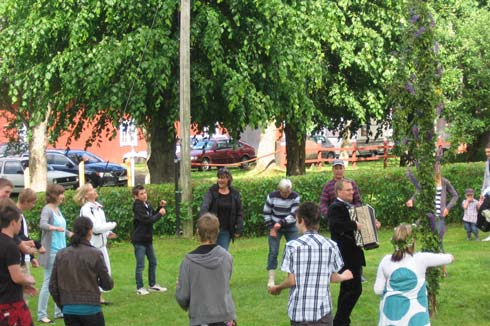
403,289
101,227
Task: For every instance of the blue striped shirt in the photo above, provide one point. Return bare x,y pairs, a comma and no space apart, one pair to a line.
312,259
280,210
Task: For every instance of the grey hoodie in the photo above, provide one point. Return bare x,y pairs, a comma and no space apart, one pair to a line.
204,285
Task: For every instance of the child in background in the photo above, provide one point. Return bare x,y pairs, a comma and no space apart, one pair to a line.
470,206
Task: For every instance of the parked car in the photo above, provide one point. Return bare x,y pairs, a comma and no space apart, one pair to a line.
326,143
220,150
12,168
97,171
372,142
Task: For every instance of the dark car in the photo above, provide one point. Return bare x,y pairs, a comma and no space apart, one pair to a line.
97,171
221,151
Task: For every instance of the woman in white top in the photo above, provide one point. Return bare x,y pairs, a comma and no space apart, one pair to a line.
102,230
401,281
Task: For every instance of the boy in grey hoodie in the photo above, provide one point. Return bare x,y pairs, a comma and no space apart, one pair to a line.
203,286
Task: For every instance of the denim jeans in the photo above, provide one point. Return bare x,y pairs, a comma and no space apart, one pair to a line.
42,305
224,238
140,251
470,228
290,233
85,320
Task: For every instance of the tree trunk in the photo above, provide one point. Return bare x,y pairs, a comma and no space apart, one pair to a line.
295,150
432,304
161,162
266,146
38,172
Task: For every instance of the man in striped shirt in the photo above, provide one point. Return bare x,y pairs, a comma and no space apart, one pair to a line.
312,263
279,216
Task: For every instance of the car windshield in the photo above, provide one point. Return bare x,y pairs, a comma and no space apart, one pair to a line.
204,144
85,156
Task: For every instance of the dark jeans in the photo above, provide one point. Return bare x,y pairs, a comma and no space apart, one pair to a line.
224,239
140,251
350,291
84,320
325,321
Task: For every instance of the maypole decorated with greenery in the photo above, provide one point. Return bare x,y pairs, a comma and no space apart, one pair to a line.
417,102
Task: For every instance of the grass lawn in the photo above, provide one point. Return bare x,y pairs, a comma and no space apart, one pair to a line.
463,298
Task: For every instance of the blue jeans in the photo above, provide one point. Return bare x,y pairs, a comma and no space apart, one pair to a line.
224,239
140,251
470,228
42,304
290,233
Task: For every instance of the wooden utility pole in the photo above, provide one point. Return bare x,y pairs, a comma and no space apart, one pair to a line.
185,117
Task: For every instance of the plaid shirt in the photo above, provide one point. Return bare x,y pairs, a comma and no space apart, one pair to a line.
328,196
470,213
312,259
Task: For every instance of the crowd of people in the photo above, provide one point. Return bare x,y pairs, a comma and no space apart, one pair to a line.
77,275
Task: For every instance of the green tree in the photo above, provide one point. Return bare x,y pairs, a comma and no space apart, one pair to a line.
467,74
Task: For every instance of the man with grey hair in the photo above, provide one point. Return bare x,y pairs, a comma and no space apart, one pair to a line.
279,216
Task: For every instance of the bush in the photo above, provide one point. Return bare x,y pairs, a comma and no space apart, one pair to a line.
386,190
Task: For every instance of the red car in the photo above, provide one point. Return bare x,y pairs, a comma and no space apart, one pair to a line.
220,151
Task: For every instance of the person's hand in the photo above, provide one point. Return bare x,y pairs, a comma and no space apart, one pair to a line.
378,224
273,233
162,211
42,250
277,226
274,290
445,212
34,262
29,243
59,229
359,225
111,235
237,235
347,275
409,203
30,290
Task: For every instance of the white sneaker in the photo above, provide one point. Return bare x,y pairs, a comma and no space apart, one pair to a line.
142,291
487,238
157,288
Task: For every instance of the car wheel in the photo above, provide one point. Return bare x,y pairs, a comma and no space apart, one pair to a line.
245,165
205,164
330,155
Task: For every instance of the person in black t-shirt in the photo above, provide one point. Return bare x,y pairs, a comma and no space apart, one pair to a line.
13,309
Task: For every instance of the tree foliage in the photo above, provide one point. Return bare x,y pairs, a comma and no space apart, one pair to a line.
417,96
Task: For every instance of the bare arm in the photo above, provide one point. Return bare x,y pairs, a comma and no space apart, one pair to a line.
286,284
344,276
20,278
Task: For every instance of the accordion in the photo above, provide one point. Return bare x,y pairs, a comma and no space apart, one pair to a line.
367,236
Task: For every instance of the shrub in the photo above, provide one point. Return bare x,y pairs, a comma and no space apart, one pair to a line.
386,190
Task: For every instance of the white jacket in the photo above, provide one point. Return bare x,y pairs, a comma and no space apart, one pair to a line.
101,227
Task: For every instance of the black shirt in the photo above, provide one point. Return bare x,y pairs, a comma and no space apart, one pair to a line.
9,255
224,211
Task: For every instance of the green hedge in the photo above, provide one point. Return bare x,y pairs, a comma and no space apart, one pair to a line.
386,190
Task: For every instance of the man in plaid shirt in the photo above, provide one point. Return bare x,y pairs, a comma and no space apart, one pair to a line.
312,263
328,195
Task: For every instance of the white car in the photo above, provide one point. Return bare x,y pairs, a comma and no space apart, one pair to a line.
12,168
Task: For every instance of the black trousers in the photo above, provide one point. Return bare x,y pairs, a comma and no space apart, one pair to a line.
350,291
84,320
